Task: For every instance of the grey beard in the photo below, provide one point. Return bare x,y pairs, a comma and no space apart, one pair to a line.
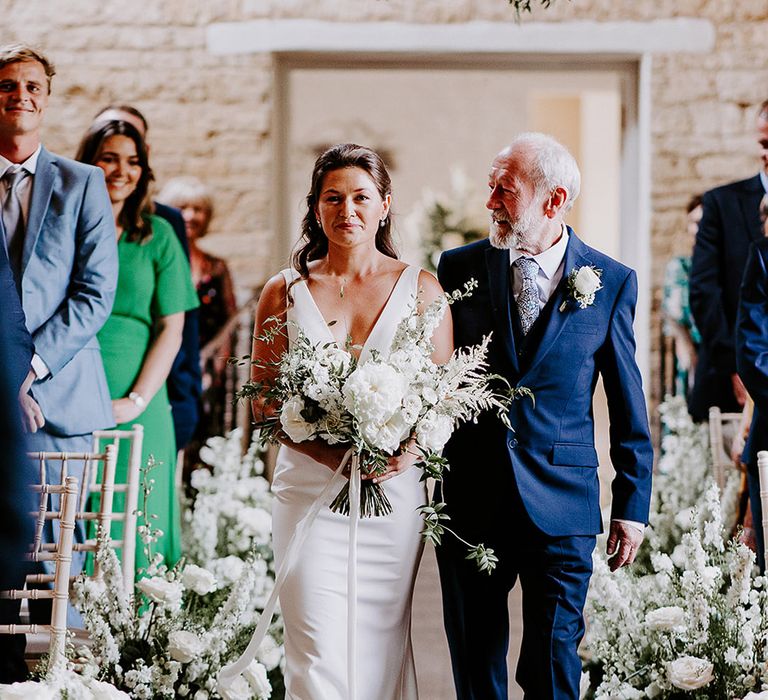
516,236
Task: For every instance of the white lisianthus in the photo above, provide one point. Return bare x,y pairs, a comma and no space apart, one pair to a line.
197,579
587,281
665,619
184,646
433,431
256,675
29,690
294,425
690,672
161,591
373,392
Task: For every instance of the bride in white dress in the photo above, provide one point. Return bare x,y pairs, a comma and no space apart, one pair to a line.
347,287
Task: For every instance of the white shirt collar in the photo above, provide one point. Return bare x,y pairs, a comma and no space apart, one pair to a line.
764,180
30,164
549,261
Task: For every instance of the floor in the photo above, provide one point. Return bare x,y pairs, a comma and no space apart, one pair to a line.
433,666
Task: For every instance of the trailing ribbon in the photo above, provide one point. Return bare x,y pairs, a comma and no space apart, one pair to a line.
230,672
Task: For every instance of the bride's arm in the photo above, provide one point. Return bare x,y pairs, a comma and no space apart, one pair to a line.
271,314
442,339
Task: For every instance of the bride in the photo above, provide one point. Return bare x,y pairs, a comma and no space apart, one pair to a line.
347,286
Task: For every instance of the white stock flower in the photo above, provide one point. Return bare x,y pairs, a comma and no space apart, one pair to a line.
256,522
184,646
587,281
690,672
665,619
684,518
158,590
294,425
106,691
228,570
433,431
29,690
197,579
200,477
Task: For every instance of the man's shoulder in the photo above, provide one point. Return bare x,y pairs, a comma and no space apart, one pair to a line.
470,250
65,164
750,184
600,260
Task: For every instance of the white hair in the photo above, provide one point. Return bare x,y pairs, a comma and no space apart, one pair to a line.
182,190
553,164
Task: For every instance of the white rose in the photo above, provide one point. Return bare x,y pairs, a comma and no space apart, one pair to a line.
587,281
269,653
158,590
197,579
690,672
664,619
294,425
412,407
433,431
256,675
184,646
28,690
106,691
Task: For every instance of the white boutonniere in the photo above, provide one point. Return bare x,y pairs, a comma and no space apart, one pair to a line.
583,283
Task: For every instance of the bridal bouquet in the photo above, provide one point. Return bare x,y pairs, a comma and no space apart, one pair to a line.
383,405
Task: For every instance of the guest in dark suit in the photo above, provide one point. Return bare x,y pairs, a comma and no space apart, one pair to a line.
752,363
185,380
561,314
729,223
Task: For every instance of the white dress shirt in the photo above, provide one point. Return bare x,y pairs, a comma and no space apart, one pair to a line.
24,193
551,263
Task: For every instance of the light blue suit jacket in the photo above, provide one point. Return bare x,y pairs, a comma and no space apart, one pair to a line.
68,281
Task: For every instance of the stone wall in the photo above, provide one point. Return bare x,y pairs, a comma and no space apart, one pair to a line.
213,115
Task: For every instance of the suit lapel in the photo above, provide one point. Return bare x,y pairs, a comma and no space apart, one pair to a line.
574,257
749,201
42,187
497,262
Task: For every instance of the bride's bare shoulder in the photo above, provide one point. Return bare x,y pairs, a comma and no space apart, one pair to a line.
429,286
272,297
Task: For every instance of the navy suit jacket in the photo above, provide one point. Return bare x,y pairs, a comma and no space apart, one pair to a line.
729,224
68,282
17,347
752,346
550,458
185,379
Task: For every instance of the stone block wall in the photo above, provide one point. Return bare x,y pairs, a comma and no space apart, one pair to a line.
213,116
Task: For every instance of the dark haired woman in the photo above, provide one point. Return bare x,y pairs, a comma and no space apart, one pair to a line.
142,336
347,286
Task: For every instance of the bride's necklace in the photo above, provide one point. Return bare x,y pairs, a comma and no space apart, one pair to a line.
341,288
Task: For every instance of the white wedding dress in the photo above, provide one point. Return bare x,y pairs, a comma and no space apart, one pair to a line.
313,599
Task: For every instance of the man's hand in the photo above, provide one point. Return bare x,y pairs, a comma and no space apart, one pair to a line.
31,415
739,390
623,542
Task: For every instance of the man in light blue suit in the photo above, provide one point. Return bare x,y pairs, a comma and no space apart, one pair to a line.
561,315
58,229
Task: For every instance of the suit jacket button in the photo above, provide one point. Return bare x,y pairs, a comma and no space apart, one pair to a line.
512,444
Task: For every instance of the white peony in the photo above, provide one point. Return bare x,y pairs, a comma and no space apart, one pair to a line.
665,619
373,392
158,590
587,281
184,646
433,431
197,579
29,690
294,425
387,436
256,675
690,672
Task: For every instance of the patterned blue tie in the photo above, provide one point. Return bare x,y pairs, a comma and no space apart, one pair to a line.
528,299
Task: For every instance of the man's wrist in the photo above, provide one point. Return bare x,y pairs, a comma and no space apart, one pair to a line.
640,527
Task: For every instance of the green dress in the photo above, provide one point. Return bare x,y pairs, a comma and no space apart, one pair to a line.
154,281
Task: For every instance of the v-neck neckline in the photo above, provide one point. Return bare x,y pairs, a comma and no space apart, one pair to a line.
376,323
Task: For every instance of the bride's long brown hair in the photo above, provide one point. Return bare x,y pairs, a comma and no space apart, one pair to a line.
313,243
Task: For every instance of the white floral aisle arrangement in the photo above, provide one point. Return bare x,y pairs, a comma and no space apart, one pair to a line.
444,221
172,639
383,405
62,684
691,621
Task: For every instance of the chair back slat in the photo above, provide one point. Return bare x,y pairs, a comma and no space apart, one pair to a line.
721,459
762,468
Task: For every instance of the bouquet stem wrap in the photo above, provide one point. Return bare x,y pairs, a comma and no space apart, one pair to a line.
230,672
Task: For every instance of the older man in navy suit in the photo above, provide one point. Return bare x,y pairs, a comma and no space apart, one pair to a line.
561,314
58,229
752,363
730,222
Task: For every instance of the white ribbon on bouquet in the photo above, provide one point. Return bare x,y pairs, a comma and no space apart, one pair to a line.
230,672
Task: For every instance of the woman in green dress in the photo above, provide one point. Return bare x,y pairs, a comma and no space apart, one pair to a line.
142,336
